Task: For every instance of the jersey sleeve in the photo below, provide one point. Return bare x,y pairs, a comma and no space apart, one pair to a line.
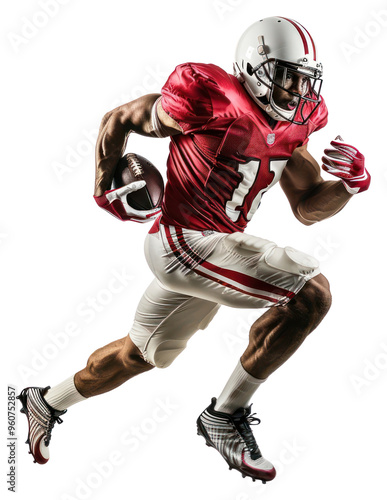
191,96
318,120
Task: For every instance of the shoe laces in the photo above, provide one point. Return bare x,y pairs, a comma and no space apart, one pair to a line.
53,419
242,424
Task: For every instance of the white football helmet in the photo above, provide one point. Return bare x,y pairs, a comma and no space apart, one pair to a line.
276,61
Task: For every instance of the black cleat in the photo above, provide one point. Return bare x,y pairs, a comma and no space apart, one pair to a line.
231,436
41,419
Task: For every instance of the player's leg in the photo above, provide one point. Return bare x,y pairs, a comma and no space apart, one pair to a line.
273,339
107,368
244,271
163,324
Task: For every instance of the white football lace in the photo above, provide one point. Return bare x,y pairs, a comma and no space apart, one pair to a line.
135,165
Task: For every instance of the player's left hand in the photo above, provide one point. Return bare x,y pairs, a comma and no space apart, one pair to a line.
347,163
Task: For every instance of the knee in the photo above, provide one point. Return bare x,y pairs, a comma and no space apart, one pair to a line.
322,292
152,350
163,354
131,357
316,296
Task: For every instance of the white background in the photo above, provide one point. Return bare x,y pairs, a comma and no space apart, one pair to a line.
323,413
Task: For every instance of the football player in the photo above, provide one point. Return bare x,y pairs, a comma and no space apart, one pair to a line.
232,137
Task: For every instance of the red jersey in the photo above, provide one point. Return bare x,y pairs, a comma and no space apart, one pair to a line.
227,156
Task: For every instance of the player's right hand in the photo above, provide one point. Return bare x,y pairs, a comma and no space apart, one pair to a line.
347,163
114,202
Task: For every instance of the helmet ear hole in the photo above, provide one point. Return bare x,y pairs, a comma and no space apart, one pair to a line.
249,69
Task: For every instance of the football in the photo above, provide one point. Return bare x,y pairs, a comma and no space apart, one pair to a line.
133,167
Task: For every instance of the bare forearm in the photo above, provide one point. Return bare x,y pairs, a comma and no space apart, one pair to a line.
326,200
110,147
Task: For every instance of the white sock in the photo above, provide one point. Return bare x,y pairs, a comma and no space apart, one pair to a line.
63,395
238,391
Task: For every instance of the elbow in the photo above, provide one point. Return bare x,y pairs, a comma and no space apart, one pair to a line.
305,218
106,117
305,222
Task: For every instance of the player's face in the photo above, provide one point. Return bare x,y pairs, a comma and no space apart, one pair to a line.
291,81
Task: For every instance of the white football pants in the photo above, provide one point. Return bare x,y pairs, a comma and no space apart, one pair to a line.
197,271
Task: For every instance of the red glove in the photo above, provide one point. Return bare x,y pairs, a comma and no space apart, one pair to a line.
114,201
346,162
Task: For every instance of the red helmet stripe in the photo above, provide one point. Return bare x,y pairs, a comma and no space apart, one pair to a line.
303,37
314,47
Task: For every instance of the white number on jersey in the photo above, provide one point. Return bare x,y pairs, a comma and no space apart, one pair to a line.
250,173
